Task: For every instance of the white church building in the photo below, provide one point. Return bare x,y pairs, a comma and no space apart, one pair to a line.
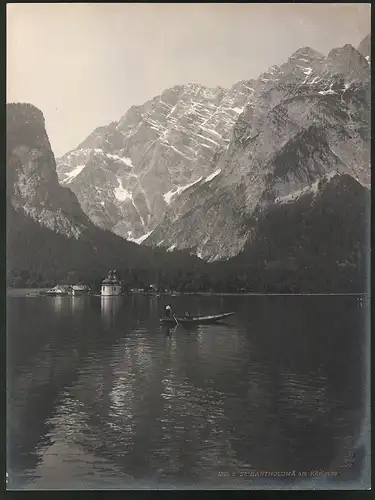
111,285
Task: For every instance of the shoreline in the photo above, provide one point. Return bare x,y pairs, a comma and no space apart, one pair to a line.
23,292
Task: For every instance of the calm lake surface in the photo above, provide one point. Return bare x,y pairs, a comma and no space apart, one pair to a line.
101,396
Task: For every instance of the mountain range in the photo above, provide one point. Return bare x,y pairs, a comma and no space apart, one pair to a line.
247,177
308,121
191,167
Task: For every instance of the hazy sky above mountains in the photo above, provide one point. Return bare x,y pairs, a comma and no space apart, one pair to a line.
84,65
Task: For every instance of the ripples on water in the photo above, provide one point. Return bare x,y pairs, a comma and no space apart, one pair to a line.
101,396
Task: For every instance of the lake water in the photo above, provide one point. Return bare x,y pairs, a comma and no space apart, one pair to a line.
101,396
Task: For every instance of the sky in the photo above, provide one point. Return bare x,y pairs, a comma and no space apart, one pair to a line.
84,65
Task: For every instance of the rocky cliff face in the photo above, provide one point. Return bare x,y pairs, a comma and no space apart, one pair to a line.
126,174
32,184
306,121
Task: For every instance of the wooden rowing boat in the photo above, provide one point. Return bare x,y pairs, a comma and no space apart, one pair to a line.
196,319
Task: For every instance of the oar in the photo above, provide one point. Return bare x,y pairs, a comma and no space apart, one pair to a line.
176,320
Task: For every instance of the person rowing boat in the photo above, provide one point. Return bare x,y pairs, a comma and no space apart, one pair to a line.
169,314
168,311
196,319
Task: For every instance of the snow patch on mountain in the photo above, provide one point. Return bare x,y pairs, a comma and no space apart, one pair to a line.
180,153
212,176
316,79
178,190
211,131
329,91
208,139
120,193
311,189
125,160
140,239
71,175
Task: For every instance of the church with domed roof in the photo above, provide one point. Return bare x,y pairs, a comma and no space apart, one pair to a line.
111,285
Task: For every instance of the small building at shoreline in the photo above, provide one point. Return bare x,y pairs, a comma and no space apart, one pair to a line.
78,289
